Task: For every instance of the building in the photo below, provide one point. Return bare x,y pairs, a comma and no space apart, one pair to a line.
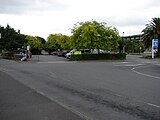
133,37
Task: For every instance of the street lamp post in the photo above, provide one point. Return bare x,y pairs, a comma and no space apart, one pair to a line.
0,42
0,38
123,46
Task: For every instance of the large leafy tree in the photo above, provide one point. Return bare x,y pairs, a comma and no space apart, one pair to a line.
152,31
134,46
63,41
42,40
34,43
57,41
10,38
52,44
92,34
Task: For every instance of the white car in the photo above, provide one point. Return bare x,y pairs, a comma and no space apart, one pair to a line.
70,53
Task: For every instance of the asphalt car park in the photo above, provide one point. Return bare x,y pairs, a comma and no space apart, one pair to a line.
94,90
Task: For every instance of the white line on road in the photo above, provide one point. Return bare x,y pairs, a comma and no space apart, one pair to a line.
53,75
150,104
82,115
55,62
129,65
43,62
133,69
123,62
2,69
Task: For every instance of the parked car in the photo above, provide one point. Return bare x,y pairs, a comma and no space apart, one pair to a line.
75,51
62,53
68,55
85,51
95,51
54,53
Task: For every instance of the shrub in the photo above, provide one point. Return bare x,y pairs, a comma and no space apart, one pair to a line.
108,56
10,55
7,54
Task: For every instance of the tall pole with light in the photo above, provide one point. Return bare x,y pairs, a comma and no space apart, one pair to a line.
0,39
123,45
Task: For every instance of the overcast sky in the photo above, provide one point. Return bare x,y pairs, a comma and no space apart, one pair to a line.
44,17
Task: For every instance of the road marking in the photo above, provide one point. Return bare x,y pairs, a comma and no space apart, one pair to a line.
2,69
129,65
133,69
124,62
55,62
150,104
73,110
53,75
58,62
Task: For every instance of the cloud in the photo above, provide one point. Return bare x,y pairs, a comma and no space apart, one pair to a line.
43,17
29,6
154,3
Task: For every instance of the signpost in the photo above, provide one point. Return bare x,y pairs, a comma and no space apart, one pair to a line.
154,46
155,43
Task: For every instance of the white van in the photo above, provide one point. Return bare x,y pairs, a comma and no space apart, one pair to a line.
70,53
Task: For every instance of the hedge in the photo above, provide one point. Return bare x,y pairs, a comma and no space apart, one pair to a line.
108,56
10,55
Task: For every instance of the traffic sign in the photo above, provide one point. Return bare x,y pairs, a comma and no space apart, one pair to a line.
155,43
154,46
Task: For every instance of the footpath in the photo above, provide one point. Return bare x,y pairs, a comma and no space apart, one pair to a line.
18,102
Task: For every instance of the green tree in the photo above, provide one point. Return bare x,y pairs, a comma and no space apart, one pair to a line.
42,40
94,35
34,43
63,41
52,44
152,31
57,41
10,39
134,46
